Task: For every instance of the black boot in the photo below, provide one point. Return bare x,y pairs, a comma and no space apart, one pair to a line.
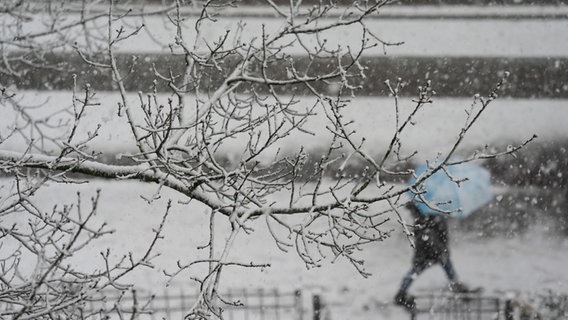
459,287
405,300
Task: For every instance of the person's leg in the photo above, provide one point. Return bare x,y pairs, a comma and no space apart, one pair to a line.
450,271
455,284
409,278
402,297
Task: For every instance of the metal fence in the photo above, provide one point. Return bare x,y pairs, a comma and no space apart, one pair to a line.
436,306
458,307
242,304
305,304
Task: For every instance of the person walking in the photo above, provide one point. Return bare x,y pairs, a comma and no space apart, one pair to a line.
431,247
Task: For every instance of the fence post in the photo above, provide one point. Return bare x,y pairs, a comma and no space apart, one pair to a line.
316,302
167,304
276,305
261,303
509,314
298,304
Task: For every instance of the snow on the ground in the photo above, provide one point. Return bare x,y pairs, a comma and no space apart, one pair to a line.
529,263
533,262
506,121
421,37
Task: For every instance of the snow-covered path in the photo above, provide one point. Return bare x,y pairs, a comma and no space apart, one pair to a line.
534,262
446,31
506,121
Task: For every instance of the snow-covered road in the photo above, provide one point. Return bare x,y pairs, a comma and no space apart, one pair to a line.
533,262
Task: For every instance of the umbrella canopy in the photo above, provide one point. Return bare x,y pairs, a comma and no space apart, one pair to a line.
444,196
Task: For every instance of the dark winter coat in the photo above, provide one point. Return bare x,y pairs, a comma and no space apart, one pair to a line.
430,238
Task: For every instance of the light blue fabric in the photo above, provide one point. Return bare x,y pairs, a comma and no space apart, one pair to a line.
446,196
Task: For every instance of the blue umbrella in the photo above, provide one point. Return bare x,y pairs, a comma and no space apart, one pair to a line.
444,196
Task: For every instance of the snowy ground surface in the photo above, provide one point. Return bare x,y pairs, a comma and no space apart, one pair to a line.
421,37
451,36
506,121
532,263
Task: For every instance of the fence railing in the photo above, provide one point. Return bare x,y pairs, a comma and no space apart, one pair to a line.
458,307
240,304
436,306
305,304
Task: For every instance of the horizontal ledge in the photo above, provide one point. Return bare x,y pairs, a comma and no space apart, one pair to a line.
508,12
453,77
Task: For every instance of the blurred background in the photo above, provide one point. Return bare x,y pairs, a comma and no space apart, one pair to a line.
518,242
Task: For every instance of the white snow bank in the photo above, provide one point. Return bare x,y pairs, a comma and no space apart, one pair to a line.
531,263
506,121
422,36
